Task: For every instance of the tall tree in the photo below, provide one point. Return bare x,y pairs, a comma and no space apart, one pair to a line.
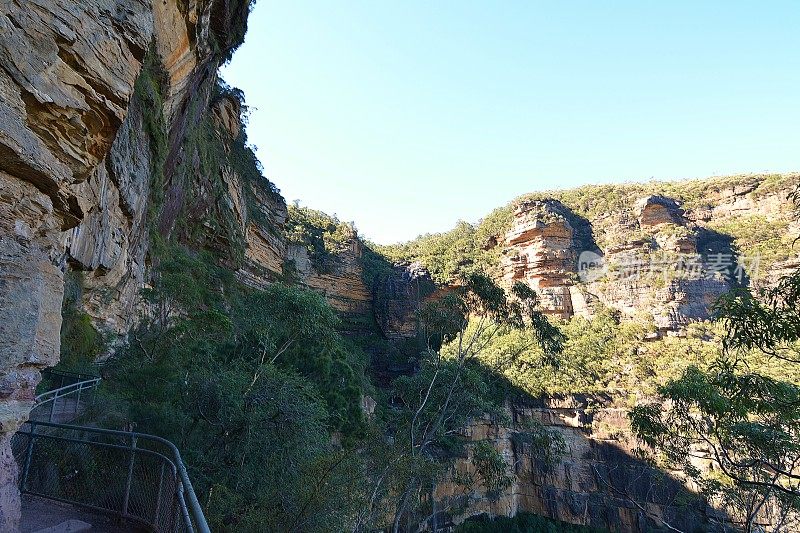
434,406
745,424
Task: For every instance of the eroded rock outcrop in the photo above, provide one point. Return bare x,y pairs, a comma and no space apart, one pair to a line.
76,169
596,481
652,255
343,284
654,210
110,244
542,249
67,71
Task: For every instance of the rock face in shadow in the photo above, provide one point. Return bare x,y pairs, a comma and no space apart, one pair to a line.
110,243
654,210
597,481
398,296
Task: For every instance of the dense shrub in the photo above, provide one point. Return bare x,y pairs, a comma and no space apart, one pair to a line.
322,235
81,342
249,384
609,354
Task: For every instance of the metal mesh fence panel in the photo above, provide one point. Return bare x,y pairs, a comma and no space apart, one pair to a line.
133,476
66,402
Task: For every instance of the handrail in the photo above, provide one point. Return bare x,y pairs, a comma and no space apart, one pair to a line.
62,391
53,396
191,511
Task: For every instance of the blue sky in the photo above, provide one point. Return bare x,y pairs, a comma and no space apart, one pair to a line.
406,116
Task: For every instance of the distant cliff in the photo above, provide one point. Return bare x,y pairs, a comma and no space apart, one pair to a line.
653,255
665,249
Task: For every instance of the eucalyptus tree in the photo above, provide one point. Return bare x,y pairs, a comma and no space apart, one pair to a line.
746,424
432,408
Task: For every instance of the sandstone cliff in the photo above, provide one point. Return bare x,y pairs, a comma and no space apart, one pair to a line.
597,480
67,75
645,252
658,253
76,166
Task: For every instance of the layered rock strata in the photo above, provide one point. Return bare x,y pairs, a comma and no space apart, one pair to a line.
67,71
597,480
652,257
75,169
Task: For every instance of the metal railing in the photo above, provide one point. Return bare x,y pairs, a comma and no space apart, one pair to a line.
135,476
64,403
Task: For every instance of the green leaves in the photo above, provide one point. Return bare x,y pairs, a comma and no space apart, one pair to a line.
433,407
769,323
491,468
451,255
250,385
746,422
749,423
322,235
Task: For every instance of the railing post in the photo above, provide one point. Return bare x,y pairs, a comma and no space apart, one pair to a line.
197,510
158,498
184,510
127,495
28,454
77,401
53,405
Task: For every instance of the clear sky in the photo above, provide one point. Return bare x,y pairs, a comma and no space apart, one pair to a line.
406,116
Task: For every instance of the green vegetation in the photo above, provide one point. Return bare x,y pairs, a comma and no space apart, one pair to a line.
259,385
81,343
471,247
245,383
148,100
747,419
447,256
522,523
608,355
491,468
466,249
591,201
322,235
375,266
437,402
760,239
